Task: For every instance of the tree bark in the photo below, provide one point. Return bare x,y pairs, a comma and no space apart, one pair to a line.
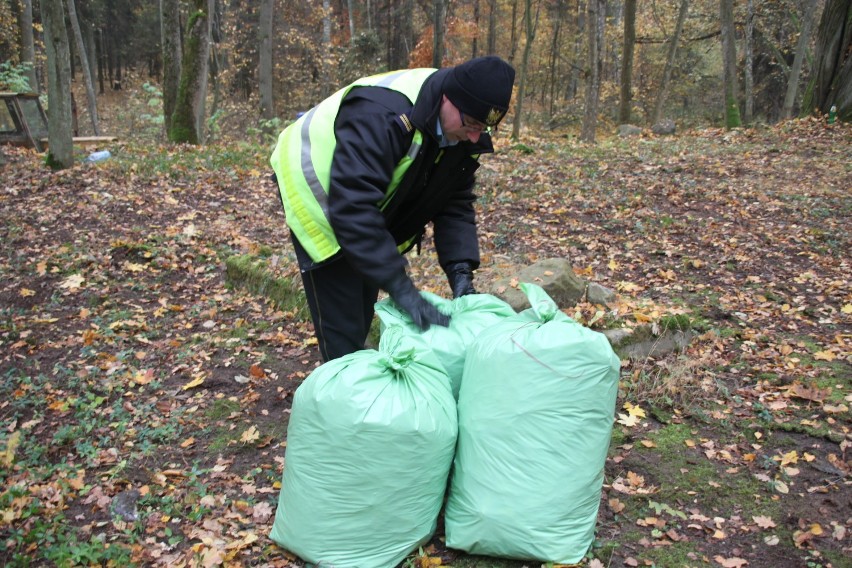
60,152
627,63
25,21
514,38
86,71
831,83
748,73
188,119
439,15
529,29
492,27
325,88
350,7
267,110
170,34
796,69
729,58
670,58
475,47
596,9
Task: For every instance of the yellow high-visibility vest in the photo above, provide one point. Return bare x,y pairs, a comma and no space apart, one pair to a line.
302,162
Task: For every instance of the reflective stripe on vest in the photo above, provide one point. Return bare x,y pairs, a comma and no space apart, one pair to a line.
303,156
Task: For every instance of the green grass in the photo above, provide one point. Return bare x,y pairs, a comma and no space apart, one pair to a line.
250,273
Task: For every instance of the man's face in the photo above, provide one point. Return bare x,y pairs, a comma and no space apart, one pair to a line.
456,126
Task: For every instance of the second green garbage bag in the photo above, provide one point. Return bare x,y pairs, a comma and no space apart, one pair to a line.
369,447
536,409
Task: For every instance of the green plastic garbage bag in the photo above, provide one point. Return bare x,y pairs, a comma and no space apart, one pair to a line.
369,447
469,315
536,409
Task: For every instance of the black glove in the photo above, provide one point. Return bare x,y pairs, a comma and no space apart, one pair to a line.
403,292
460,275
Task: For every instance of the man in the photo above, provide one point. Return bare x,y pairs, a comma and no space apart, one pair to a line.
363,172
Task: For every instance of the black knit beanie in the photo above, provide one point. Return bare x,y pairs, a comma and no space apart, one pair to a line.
481,88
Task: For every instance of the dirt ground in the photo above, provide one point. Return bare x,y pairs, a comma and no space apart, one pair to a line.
129,364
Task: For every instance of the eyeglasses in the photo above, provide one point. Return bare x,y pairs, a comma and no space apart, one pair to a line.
474,125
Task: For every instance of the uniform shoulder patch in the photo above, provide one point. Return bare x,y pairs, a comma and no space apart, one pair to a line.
405,122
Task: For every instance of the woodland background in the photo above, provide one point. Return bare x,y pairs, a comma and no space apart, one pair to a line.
153,330
220,67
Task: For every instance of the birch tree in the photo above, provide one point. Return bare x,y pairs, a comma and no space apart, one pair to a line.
596,12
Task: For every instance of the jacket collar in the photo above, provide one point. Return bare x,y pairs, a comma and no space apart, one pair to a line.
427,107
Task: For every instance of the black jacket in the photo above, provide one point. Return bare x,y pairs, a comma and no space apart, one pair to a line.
438,186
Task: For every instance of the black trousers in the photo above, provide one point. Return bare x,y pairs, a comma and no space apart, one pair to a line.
341,303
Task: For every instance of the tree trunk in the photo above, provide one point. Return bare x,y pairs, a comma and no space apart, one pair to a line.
438,35
25,21
267,111
554,53
187,121
351,9
84,64
514,40
325,74
492,27
475,48
729,59
170,34
627,64
60,152
529,30
831,84
796,69
91,50
670,58
749,63
596,8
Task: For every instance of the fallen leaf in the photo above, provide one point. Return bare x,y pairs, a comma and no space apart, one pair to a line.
7,456
199,379
733,562
26,292
814,394
789,457
764,522
772,540
72,282
250,435
257,371
616,506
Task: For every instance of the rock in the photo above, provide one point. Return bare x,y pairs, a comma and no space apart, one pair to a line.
664,127
555,275
124,505
641,343
597,294
628,130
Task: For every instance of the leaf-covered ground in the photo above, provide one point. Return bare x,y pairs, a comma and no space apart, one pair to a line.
144,400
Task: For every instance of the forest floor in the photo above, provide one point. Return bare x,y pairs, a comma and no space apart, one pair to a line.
144,399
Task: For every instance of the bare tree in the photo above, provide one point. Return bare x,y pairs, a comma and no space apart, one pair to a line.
188,119
796,69
265,64
627,63
171,44
84,63
529,30
831,82
439,15
596,13
25,22
748,72
60,153
670,59
729,60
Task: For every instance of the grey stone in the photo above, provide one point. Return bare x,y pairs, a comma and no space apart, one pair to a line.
124,505
641,343
555,275
597,294
628,130
666,126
